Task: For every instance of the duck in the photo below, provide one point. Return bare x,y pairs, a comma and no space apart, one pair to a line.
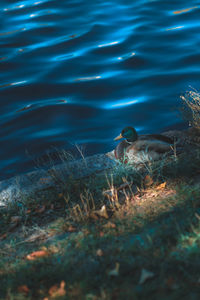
141,148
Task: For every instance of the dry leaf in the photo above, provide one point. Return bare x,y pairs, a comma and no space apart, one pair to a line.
23,289
99,252
71,228
161,186
102,212
93,215
109,225
57,291
148,181
85,231
145,274
37,254
115,271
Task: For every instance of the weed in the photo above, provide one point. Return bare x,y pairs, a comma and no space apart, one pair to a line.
102,234
191,108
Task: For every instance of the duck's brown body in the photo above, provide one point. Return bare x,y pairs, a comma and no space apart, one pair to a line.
144,148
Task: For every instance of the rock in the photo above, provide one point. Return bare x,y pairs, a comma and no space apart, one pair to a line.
50,182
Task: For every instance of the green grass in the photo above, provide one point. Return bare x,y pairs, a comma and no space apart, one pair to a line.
151,227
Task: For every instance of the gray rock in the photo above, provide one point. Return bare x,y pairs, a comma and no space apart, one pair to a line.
49,182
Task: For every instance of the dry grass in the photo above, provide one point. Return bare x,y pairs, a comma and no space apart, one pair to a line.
191,108
97,238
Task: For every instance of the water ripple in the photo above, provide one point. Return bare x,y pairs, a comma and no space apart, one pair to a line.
77,71
184,10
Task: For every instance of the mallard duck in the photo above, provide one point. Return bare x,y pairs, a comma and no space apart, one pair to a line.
141,148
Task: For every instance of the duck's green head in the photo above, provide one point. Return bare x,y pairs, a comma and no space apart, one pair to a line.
129,133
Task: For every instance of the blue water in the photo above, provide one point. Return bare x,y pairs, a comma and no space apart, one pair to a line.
78,71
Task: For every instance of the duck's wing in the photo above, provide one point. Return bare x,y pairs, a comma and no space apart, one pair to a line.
149,145
121,149
158,137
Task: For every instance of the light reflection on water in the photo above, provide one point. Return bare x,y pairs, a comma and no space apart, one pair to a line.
22,4
79,71
123,103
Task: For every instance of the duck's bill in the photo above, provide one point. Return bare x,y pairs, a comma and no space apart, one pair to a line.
118,137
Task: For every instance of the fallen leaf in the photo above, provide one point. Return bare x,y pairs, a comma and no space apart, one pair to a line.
71,229
57,291
85,231
115,271
102,212
37,254
93,215
109,225
148,181
99,252
23,289
145,274
161,186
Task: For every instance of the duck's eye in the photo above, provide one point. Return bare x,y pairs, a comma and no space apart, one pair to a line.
124,133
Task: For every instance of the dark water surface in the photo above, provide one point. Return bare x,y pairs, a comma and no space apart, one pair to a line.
77,72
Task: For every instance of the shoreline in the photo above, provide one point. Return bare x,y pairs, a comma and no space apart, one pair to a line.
114,226
50,182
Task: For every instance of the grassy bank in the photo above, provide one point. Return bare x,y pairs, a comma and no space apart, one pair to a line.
128,234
